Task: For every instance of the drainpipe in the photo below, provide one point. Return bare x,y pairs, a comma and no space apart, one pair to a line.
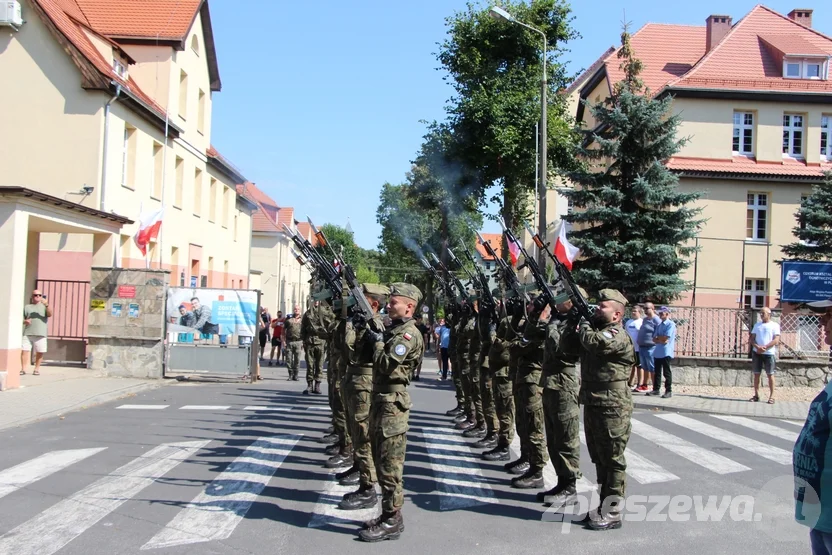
103,206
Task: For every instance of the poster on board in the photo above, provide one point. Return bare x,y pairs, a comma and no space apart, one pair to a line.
214,316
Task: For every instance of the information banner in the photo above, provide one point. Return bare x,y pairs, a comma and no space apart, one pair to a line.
806,282
216,316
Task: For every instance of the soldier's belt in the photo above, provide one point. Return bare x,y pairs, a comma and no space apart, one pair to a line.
389,388
360,371
601,386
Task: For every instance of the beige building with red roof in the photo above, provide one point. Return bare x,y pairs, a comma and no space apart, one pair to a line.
755,99
108,109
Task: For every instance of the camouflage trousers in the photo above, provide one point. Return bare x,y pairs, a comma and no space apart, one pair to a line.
456,375
339,415
293,350
531,401
563,431
607,434
314,362
357,392
389,416
489,410
519,420
504,406
473,395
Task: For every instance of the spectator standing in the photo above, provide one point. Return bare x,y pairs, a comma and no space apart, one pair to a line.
632,326
277,337
765,336
444,340
35,318
665,339
263,334
646,345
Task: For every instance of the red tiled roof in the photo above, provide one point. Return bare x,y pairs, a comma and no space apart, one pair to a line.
165,19
305,230
741,61
496,240
793,45
742,165
286,215
667,52
581,79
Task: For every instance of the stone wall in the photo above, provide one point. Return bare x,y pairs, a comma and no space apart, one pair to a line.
737,372
126,327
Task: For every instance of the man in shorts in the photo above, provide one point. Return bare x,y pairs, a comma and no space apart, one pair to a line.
632,326
277,337
765,336
35,317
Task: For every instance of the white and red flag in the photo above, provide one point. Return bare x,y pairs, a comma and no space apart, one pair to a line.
565,251
149,225
513,251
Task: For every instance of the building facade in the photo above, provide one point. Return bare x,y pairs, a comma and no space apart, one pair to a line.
755,101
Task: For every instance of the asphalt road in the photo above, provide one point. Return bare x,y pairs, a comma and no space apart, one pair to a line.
197,469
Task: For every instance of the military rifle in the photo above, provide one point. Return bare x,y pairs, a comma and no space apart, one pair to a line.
506,271
487,302
452,279
531,264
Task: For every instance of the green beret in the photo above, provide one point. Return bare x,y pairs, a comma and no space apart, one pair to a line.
375,289
400,289
611,295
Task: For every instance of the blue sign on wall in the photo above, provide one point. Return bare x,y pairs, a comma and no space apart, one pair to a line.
806,282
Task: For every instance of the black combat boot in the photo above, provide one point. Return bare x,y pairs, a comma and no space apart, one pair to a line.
389,527
456,411
518,462
317,390
362,498
329,439
488,442
333,449
350,479
341,460
347,472
532,479
521,468
497,454
564,494
330,430
541,495
606,521
477,431
466,424
308,389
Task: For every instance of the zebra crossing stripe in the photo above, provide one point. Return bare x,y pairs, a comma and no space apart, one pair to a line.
268,409
642,470
757,426
769,452
793,422
695,454
456,492
66,520
20,476
215,513
143,407
205,407
550,477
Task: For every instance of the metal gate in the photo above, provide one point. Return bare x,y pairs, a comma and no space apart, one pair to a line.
211,332
67,327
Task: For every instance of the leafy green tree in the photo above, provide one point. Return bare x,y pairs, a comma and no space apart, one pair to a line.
814,229
634,226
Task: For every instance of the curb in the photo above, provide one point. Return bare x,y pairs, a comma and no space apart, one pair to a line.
86,403
691,410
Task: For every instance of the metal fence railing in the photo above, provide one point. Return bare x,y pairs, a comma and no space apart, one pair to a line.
724,332
70,302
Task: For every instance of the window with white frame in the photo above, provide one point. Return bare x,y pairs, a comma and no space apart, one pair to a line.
120,68
826,137
793,135
754,295
743,143
756,222
799,68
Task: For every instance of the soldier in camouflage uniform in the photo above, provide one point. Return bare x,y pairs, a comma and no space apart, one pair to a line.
357,390
498,360
466,332
521,465
530,395
450,322
343,456
333,436
397,353
294,342
313,333
474,389
560,383
487,331
606,359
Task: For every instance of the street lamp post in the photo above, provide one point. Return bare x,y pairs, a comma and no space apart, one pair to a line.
499,13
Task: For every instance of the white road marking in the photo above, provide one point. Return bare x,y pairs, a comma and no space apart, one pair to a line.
642,470
769,452
456,493
143,407
61,523
25,473
694,453
317,408
268,409
205,407
550,477
215,513
758,426
793,422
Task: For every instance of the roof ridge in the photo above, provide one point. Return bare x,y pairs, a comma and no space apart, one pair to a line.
82,12
591,70
713,50
812,29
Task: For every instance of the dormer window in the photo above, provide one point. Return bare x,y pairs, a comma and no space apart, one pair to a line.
794,68
120,68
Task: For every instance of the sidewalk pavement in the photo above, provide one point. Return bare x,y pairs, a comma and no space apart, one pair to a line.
790,410
60,390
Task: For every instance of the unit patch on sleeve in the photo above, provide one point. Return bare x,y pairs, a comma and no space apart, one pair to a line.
400,349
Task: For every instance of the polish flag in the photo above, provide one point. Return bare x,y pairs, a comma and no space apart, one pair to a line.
565,251
513,251
149,224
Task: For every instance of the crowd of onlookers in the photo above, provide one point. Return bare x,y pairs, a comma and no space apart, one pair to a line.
271,331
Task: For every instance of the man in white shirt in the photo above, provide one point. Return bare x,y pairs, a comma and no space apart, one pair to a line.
632,326
765,336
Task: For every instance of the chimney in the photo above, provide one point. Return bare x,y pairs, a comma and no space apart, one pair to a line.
804,17
717,26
